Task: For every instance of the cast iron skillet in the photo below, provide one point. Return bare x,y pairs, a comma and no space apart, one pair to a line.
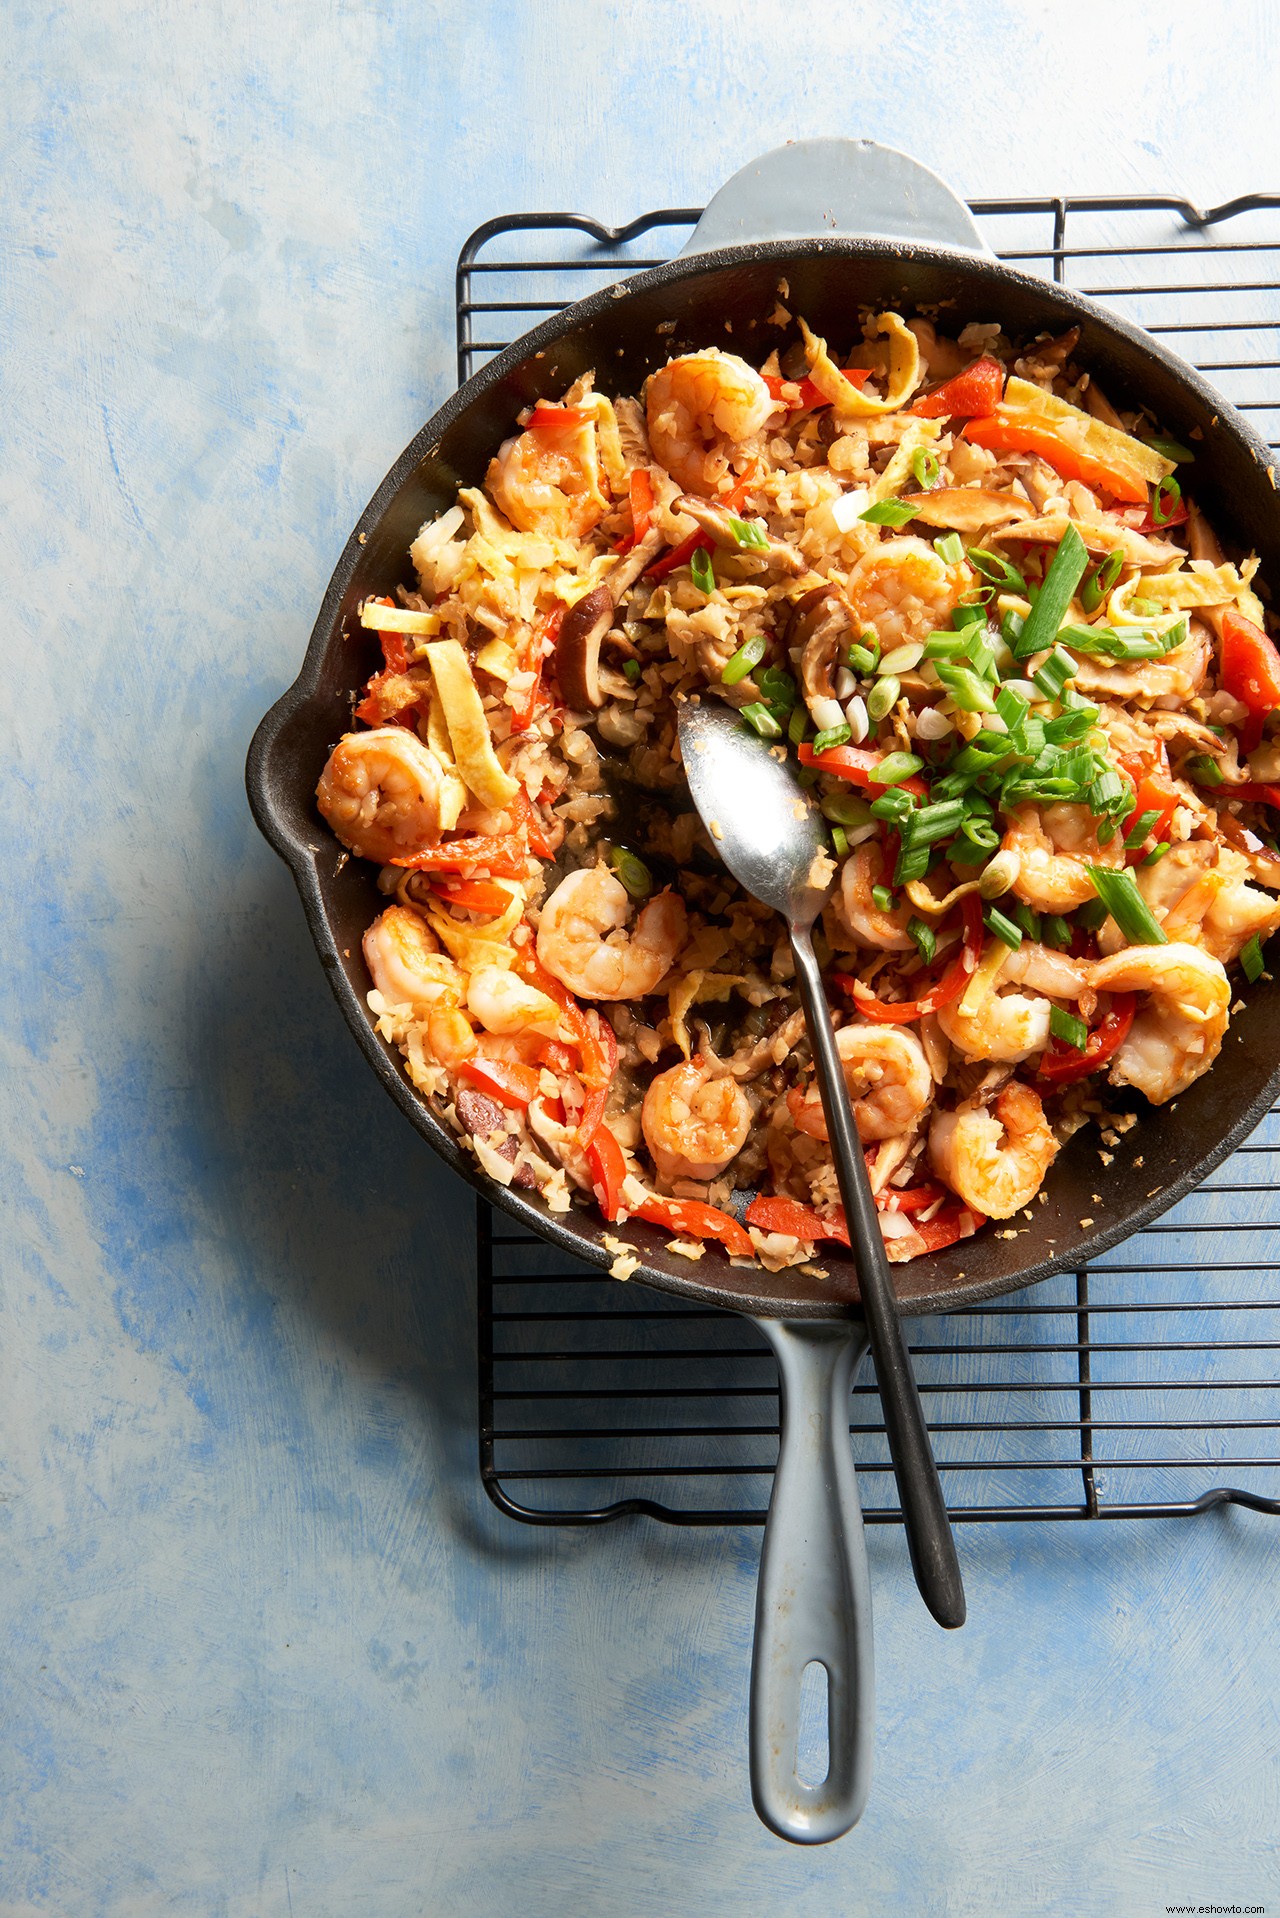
727,297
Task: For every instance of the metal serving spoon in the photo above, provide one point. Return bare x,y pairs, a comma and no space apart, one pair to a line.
769,831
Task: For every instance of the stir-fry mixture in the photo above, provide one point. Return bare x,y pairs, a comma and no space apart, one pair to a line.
979,608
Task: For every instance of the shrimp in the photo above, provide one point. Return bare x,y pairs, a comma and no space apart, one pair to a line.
994,1159
547,479
1055,845
695,1120
504,1004
888,1080
406,964
701,410
862,870
385,794
1008,1026
1200,892
904,590
1176,677
582,942
1178,1033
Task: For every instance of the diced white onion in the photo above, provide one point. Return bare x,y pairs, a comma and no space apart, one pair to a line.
826,713
845,683
992,723
933,724
849,508
856,834
855,713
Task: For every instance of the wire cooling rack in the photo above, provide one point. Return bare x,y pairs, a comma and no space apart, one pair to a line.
1148,1384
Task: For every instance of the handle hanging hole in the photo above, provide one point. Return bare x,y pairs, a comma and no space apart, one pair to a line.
813,1732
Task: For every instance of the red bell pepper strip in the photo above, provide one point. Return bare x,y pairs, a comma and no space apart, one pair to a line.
1250,665
608,1170
530,661
970,395
699,1221
857,765
1062,1064
681,555
547,417
1152,793
473,895
640,493
593,1036
798,1221
946,1227
527,821
912,1198
505,1080
1265,795
947,985
592,1114
809,398
503,857
1003,435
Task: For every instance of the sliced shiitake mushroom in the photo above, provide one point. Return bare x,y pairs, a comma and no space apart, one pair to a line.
819,622
588,620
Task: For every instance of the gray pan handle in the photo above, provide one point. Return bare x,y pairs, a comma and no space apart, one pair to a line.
813,188
813,1603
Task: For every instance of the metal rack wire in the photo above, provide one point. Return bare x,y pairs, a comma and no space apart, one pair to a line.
1145,1386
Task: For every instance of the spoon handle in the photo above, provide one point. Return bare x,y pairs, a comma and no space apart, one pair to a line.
928,1528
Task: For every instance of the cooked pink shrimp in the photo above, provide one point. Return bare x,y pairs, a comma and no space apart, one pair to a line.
406,964
385,794
694,1121
1200,893
582,938
904,590
547,479
702,410
888,1081
863,870
1055,846
994,1159
1178,1033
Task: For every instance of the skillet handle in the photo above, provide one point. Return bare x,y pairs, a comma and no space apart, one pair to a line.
814,1597
814,188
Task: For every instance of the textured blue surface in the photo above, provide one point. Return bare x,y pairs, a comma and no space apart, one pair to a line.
267,1650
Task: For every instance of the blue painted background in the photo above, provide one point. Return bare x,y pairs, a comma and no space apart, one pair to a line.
266,1648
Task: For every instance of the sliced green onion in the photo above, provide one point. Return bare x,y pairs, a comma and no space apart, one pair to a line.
860,659
928,824
913,863
967,690
1055,932
761,720
1140,830
1011,630
946,646
972,615
1052,676
1012,707
778,688
901,659
982,657
894,806
632,871
1003,928
997,569
924,468
1101,580
1066,570
895,767
1204,770
980,833
883,697
1168,491
1157,853
840,841
1118,890
1168,449
1108,793
1124,645
833,736
882,898
631,670
797,725
889,512
1067,1027
748,534
961,853
1091,915
925,937
950,548
700,566
1144,608
748,655
806,776
1251,958
846,809
1028,918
